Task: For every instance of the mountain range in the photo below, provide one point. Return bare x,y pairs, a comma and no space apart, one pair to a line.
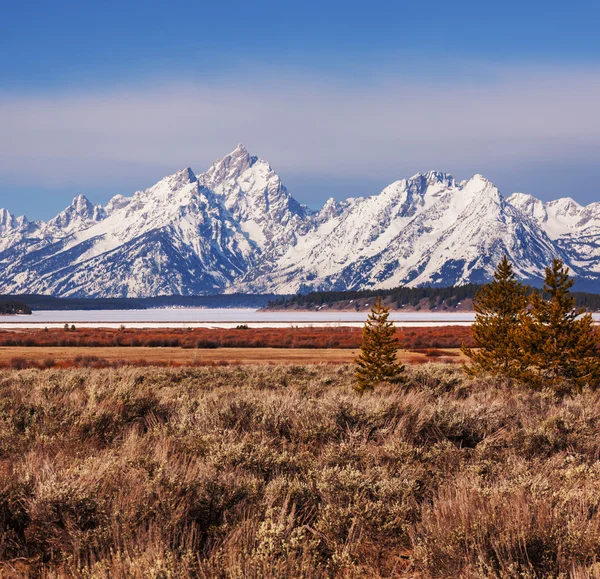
236,228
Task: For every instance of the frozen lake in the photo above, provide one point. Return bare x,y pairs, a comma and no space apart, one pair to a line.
226,317
223,318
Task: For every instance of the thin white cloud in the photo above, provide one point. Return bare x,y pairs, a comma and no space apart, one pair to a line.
303,125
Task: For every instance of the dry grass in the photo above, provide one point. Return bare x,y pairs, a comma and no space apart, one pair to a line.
22,357
282,471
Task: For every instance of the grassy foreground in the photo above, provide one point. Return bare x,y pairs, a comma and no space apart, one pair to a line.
282,471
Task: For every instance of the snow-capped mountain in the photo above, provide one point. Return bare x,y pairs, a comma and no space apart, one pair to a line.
236,228
424,230
573,228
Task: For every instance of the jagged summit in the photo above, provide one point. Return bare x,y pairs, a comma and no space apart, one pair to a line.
559,218
240,151
116,203
231,166
236,227
82,205
187,175
431,177
174,182
80,213
9,221
6,218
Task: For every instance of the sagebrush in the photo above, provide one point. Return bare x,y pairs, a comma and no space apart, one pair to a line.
285,472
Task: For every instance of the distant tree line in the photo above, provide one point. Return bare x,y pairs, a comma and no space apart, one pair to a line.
47,302
402,296
14,307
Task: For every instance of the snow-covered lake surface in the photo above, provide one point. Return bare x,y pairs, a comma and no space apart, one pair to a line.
224,318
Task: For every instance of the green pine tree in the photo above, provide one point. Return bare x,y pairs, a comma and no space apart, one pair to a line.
377,359
498,306
559,343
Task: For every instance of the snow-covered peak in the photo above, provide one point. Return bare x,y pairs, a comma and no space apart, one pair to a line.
433,178
82,206
173,183
21,221
170,192
117,202
590,213
230,167
80,214
9,224
185,176
522,201
529,205
477,181
331,208
12,228
565,207
557,218
423,189
566,215
7,220
256,198
476,191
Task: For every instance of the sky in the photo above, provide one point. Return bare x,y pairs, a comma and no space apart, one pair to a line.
342,98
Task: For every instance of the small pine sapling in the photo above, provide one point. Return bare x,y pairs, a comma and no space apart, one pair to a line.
376,362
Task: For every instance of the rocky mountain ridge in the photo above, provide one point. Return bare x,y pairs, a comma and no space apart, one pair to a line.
236,228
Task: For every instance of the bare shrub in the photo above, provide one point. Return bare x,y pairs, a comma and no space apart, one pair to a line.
343,337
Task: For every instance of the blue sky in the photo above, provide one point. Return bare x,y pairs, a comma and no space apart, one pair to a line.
105,97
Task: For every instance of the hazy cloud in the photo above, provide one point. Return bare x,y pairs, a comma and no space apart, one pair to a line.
392,127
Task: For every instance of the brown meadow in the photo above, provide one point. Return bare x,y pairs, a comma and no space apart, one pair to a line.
20,357
282,471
